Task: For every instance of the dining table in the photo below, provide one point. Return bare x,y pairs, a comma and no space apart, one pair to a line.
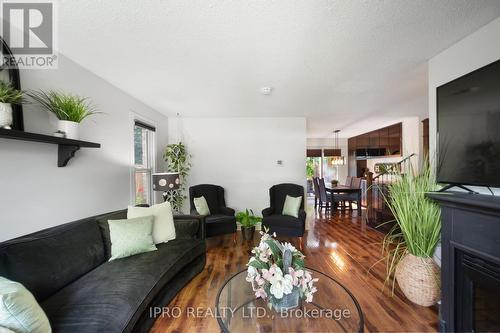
344,189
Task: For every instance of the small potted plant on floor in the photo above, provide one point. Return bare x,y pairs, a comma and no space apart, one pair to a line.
8,96
69,109
411,243
248,222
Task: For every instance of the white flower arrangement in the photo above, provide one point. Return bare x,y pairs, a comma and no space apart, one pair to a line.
270,278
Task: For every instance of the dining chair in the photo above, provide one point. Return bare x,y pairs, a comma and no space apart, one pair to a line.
317,197
325,198
340,198
345,200
353,197
348,181
356,182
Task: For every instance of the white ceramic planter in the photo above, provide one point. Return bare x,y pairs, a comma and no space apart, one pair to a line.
5,115
70,128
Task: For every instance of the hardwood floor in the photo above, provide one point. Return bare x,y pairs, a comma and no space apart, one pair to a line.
340,246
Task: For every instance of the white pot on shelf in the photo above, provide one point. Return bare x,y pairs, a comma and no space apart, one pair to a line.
70,128
5,115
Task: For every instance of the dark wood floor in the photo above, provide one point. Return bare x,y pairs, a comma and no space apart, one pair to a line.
340,246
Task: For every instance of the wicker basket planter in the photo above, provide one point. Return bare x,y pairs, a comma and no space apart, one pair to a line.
419,279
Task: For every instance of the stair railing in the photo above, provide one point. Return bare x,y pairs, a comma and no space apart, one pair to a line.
377,187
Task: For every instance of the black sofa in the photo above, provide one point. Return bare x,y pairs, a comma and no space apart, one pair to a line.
221,220
275,221
67,270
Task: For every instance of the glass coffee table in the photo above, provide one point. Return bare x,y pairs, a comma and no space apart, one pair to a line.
333,309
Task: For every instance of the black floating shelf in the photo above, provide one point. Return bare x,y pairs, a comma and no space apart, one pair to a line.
66,147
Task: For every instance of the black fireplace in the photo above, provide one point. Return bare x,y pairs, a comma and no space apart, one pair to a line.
477,290
470,272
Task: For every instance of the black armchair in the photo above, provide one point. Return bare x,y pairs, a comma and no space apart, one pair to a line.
221,219
273,218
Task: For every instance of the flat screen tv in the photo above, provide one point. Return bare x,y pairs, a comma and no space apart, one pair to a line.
468,120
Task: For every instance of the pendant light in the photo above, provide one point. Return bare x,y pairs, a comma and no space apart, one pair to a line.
337,160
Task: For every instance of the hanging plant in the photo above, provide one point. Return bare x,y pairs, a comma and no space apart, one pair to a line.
177,160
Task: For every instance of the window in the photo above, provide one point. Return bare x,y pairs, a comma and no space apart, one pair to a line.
313,169
323,163
144,157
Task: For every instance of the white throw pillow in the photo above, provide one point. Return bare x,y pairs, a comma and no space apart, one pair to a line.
201,206
163,225
292,206
19,311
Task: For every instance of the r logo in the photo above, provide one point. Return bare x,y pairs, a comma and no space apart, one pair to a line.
28,27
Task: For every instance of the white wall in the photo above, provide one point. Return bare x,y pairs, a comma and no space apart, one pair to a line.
241,154
35,193
473,52
327,143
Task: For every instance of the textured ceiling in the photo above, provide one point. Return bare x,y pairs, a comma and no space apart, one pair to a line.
334,62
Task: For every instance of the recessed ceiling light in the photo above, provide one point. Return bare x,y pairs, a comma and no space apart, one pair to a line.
266,90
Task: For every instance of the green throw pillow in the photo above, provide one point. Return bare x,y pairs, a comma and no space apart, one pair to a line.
19,311
292,206
201,206
131,236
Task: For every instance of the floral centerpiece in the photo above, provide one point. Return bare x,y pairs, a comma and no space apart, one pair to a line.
277,274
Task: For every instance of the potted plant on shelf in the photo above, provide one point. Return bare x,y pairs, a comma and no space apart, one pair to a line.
411,243
277,274
8,96
248,221
69,109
